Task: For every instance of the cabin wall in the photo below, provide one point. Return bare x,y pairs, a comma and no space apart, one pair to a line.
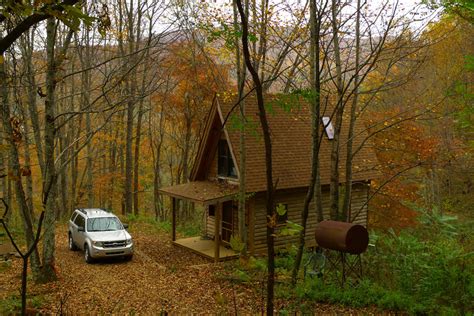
210,220
359,205
295,200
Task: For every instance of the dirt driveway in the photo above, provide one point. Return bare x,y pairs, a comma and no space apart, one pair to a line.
161,278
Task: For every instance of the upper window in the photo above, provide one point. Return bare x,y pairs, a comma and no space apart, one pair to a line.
328,128
225,164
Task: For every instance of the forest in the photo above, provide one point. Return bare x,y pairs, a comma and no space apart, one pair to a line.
111,104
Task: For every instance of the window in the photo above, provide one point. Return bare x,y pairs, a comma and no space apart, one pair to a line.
73,216
212,210
80,221
225,163
282,213
328,128
100,224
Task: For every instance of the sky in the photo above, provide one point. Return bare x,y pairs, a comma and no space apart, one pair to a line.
415,13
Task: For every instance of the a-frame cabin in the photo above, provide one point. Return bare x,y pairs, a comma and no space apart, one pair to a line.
214,180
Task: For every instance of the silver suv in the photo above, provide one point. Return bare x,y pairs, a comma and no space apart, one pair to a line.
99,234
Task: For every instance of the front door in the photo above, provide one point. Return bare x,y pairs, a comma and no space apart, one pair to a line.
227,220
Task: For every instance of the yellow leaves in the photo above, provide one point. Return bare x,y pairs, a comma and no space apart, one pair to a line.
272,220
1,59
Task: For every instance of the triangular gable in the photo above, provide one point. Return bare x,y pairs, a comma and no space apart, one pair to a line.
208,144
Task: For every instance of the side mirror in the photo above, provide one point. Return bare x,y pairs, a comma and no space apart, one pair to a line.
80,229
125,226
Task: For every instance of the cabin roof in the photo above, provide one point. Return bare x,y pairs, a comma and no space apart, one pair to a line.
203,192
290,127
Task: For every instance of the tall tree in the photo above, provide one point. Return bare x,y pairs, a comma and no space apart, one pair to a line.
314,187
352,119
241,74
12,132
49,181
268,158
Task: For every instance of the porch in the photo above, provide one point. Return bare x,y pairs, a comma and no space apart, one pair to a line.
205,248
205,193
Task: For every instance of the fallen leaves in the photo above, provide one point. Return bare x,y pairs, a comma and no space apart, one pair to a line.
160,278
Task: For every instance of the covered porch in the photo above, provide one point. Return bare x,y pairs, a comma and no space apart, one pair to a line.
205,248
205,193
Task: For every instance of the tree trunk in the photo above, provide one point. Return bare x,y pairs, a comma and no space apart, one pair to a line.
3,162
136,162
268,161
187,140
29,179
349,155
315,77
335,149
32,104
136,188
49,183
241,74
112,169
13,137
131,85
129,159
156,151
89,153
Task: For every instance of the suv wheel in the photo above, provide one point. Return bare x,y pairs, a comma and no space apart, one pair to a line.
87,254
72,246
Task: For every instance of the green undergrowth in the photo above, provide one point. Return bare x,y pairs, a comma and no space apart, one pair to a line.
149,223
12,304
5,265
424,270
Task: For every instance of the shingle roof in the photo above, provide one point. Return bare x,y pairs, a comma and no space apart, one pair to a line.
204,192
291,144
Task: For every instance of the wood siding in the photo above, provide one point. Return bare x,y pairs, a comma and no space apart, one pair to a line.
210,220
295,199
209,225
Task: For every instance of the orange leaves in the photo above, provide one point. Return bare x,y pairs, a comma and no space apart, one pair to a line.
404,146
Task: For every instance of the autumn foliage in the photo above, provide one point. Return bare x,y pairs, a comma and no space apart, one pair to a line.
417,131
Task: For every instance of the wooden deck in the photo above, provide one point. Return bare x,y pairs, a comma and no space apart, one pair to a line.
205,248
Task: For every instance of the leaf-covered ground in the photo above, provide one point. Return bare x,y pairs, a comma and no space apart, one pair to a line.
160,278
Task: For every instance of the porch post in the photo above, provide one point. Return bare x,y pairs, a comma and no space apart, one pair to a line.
217,237
173,219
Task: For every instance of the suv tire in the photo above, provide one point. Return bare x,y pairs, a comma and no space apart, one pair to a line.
72,245
87,254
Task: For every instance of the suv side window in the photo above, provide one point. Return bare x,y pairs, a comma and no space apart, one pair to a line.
80,221
73,216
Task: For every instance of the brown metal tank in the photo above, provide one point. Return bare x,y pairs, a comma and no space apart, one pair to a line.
342,236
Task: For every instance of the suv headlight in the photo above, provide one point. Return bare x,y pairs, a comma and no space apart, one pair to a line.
98,243
129,241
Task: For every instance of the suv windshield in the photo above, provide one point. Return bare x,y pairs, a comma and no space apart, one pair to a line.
100,224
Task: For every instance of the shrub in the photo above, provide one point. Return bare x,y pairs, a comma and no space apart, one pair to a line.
430,264
428,269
